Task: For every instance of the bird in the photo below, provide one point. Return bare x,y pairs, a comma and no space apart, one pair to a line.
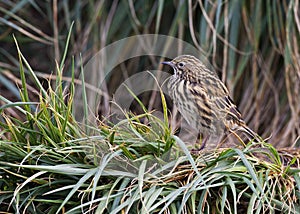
203,99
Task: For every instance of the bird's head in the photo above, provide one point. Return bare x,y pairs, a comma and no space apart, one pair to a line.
186,66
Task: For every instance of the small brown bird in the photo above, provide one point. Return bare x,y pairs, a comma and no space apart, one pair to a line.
203,99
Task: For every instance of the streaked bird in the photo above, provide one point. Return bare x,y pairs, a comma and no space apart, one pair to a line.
203,100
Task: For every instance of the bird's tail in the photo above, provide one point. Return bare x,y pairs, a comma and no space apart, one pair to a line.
250,134
243,128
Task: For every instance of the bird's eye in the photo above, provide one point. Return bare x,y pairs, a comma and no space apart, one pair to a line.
181,64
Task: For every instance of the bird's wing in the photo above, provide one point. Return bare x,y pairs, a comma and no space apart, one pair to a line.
218,96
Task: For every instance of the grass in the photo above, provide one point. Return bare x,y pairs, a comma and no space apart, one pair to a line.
51,162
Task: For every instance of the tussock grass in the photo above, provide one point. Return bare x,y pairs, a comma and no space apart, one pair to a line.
50,164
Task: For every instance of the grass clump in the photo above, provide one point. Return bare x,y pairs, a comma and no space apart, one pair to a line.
49,163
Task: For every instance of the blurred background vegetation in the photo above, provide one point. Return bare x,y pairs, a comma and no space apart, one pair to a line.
253,45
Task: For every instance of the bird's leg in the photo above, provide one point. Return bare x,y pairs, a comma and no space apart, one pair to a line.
203,144
200,141
203,140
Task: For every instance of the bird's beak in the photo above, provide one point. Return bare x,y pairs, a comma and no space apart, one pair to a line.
168,63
